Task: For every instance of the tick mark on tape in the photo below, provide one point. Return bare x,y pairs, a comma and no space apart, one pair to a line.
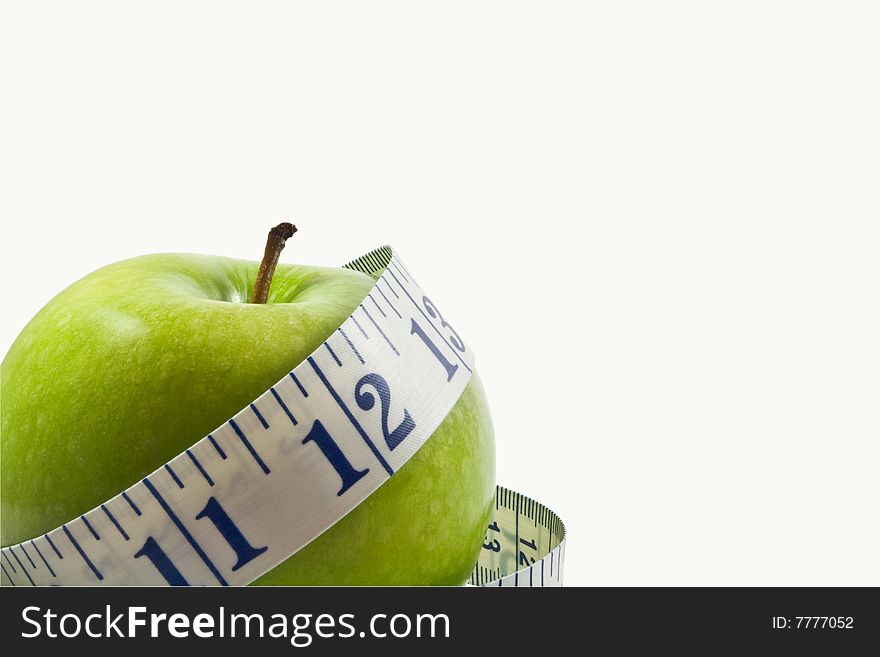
18,561
394,264
130,503
33,565
114,521
82,553
299,385
370,317
90,528
199,467
360,328
37,548
377,305
283,406
387,301
351,344
49,541
10,562
8,576
217,447
385,280
333,353
248,445
259,416
174,476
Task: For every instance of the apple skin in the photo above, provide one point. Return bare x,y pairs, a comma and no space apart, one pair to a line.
132,364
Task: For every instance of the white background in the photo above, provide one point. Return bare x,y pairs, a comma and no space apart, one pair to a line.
657,223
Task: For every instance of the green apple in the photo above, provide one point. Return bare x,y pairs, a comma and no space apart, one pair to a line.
132,364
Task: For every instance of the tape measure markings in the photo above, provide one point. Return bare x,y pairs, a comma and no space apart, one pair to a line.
360,328
394,264
43,558
14,556
49,540
443,322
298,384
513,557
23,569
387,300
370,317
390,289
92,529
255,516
381,312
333,354
199,467
184,531
23,549
173,476
357,426
115,522
351,345
82,553
259,416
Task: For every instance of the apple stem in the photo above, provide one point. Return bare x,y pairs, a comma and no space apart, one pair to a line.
274,245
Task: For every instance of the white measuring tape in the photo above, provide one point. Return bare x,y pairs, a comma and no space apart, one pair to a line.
295,461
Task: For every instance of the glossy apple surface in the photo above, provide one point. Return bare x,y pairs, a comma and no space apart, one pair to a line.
132,364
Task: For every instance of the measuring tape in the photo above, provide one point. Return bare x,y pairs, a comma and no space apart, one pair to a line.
296,460
525,544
